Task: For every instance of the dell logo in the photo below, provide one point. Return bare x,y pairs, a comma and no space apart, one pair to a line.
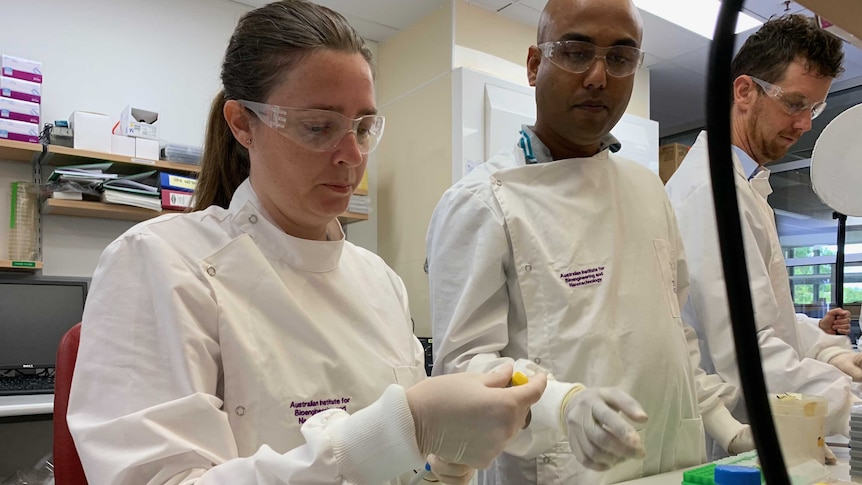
28,366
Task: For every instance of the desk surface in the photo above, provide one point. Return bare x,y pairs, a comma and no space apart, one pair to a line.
841,471
26,405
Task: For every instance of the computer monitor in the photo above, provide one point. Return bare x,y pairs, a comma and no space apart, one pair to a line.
35,313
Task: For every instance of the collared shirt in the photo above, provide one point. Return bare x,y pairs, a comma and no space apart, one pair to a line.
536,152
749,166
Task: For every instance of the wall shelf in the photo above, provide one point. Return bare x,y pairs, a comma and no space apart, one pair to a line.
86,208
58,156
19,151
23,266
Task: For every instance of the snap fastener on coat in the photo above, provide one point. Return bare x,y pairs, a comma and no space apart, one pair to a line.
528,267
498,182
240,410
537,360
546,460
252,218
211,271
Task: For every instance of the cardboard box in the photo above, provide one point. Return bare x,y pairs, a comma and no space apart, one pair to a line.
123,145
18,89
145,148
21,68
92,131
138,123
669,158
19,131
13,109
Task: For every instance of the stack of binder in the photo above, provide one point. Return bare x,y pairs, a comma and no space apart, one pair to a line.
177,191
137,190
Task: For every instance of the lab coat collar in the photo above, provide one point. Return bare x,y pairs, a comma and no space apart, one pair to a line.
536,152
248,214
759,180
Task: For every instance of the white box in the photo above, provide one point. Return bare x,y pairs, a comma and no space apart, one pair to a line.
18,89
21,68
19,131
92,131
145,148
123,145
14,109
139,123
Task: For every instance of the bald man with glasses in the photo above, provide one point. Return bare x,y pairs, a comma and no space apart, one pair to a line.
782,75
559,256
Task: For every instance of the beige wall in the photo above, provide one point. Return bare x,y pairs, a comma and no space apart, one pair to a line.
414,157
414,161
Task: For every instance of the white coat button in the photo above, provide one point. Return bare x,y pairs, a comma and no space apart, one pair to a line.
240,410
537,361
498,182
546,459
528,267
211,271
252,218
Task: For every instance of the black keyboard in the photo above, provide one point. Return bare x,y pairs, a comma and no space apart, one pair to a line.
26,384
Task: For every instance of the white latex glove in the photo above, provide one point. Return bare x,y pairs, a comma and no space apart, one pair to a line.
598,435
850,363
468,418
742,442
450,473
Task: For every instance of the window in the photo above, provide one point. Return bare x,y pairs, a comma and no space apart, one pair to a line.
808,234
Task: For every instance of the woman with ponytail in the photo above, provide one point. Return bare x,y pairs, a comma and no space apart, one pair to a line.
247,342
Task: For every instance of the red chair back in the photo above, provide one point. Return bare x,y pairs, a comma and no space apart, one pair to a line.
67,464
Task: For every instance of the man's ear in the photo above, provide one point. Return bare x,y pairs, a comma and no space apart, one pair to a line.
534,58
744,92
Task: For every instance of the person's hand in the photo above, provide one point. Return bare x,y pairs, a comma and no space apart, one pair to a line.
850,363
599,436
829,458
836,321
468,418
450,473
742,442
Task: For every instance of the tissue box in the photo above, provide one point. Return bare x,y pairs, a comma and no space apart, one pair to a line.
19,131
92,131
122,145
18,89
13,109
145,148
21,68
139,123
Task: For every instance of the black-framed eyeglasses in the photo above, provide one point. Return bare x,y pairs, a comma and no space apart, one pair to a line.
793,104
577,56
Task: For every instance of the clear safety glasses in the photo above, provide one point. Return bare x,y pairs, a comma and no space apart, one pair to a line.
317,129
577,56
793,104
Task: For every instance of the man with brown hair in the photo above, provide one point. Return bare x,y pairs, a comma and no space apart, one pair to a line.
782,75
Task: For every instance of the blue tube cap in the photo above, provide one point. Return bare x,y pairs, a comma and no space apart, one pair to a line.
736,475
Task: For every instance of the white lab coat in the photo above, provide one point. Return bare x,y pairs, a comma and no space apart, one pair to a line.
575,266
793,350
208,338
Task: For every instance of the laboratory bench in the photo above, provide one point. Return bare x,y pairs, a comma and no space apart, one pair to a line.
841,471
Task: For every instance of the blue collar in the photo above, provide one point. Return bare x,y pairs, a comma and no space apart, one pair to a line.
749,166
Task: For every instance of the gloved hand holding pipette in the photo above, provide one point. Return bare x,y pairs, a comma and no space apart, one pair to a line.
457,474
599,436
474,436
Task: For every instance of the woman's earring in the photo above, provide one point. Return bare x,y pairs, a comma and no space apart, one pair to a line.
248,142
